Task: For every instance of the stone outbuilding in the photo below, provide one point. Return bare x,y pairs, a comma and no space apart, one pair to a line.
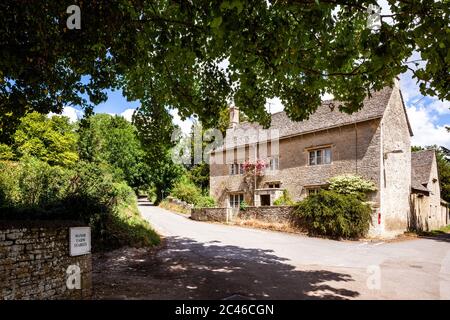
428,210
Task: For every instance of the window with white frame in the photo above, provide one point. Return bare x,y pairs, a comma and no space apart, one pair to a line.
274,163
320,156
236,168
236,199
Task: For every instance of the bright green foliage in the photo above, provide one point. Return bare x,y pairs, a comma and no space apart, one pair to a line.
243,205
6,152
351,184
40,184
205,202
32,189
9,188
284,200
199,174
169,51
336,215
113,140
187,191
52,140
164,174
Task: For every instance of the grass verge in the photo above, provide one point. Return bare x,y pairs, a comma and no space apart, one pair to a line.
174,207
437,232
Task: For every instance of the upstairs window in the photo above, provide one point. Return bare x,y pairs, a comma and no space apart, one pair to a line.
274,163
236,168
274,185
320,156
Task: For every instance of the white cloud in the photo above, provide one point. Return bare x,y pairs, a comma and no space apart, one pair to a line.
425,131
70,112
425,115
274,105
128,114
185,125
440,107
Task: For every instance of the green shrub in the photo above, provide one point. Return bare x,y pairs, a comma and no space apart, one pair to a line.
336,215
6,152
124,225
284,200
205,202
187,191
32,183
32,189
243,205
351,184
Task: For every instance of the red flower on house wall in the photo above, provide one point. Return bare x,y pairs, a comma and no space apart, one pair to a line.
256,168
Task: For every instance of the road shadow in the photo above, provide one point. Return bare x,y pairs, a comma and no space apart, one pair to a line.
441,236
186,269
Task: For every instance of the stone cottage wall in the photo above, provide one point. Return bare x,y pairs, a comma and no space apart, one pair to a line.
395,186
34,259
355,150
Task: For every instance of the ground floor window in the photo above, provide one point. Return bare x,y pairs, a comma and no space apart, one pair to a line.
311,191
236,199
273,185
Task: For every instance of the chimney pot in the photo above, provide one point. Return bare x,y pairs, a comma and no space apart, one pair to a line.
234,116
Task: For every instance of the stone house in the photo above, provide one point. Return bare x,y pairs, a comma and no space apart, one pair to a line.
428,210
300,157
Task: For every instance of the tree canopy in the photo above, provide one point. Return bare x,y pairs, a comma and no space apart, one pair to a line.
176,51
113,140
52,140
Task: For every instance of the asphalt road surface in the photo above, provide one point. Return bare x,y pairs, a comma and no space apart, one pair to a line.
203,260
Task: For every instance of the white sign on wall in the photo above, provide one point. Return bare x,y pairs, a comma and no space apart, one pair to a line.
80,241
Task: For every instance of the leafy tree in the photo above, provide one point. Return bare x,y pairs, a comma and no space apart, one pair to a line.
164,174
6,152
45,66
295,50
114,140
52,140
155,130
443,165
199,174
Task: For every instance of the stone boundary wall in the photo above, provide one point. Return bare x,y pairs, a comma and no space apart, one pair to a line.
209,214
277,214
274,214
34,257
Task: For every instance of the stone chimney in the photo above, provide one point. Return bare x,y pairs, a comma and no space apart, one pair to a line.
234,116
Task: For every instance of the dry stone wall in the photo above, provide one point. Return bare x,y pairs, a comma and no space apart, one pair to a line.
34,258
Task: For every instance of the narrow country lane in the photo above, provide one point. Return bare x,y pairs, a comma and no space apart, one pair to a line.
213,261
